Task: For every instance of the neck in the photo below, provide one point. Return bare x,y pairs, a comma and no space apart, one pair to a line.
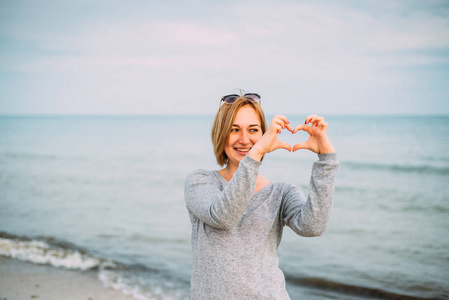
228,171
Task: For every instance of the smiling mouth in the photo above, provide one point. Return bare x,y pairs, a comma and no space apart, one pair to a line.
242,149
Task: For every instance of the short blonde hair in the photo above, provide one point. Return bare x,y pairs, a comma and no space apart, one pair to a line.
224,119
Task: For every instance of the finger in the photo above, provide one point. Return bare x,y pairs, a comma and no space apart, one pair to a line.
301,127
309,118
279,127
316,119
283,121
281,117
285,146
299,146
321,124
313,119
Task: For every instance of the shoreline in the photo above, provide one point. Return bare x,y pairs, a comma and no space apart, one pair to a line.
22,280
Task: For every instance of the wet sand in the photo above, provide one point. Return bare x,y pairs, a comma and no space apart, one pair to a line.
21,280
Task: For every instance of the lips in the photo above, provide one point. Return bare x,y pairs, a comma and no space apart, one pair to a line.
243,150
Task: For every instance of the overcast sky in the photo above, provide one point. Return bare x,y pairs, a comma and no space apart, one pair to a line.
159,57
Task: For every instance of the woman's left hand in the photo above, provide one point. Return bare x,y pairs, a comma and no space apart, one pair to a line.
318,141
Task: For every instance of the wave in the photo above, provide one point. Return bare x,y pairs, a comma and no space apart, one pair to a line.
41,251
137,281
427,169
352,290
145,283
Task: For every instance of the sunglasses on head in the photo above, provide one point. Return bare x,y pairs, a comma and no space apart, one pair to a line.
230,99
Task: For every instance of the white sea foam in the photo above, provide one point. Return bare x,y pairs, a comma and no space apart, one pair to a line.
113,280
40,252
147,287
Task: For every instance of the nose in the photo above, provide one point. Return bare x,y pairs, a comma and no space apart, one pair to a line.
244,138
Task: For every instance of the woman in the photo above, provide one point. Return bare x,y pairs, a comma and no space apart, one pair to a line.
238,215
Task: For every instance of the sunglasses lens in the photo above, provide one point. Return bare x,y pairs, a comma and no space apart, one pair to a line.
253,97
229,99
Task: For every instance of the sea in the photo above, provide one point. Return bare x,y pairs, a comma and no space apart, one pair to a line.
106,194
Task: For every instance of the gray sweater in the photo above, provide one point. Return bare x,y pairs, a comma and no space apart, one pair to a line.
236,232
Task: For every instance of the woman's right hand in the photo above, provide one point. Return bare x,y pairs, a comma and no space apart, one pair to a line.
269,141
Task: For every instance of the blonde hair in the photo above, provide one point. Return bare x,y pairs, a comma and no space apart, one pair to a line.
224,119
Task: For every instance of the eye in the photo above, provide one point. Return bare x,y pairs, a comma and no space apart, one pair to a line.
234,130
254,130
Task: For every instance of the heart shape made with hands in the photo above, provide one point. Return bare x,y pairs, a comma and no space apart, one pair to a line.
286,136
314,127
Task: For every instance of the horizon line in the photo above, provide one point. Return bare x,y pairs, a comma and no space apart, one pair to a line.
208,115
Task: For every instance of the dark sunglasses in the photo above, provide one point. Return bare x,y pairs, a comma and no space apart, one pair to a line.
229,99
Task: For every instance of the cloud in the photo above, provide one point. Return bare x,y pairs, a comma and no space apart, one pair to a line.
190,34
320,50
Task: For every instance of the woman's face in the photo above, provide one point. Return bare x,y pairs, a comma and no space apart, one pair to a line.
245,132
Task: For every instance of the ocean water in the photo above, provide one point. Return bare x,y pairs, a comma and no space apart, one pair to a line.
106,193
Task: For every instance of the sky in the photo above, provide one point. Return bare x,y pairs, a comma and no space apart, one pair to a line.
144,57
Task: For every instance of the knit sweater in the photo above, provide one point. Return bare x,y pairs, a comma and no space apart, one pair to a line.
236,232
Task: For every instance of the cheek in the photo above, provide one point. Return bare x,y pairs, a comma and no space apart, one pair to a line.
229,145
231,140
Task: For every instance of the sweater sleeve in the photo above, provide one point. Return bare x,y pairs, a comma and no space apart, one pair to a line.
310,217
221,209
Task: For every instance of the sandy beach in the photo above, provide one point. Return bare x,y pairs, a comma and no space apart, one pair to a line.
21,280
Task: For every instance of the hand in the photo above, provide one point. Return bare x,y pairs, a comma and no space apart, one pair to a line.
269,141
318,141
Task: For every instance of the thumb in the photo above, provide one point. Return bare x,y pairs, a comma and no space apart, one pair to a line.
286,146
299,146
282,145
